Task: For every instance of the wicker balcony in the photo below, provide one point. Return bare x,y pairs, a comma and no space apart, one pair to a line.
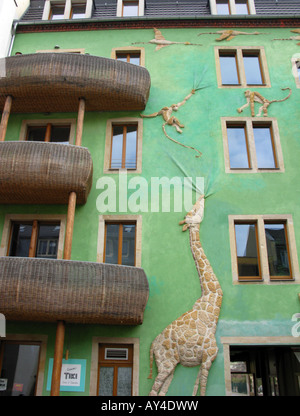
45,290
54,82
43,173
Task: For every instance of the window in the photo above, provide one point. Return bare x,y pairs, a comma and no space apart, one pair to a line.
261,366
27,235
22,361
130,8
227,7
251,145
123,147
120,243
129,54
130,57
78,11
263,249
115,369
120,240
34,239
68,9
52,130
57,12
241,67
114,366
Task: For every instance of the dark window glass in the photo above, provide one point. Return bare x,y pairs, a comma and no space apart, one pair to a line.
78,11
132,58
57,12
19,367
120,244
20,240
58,134
247,251
278,256
47,243
237,144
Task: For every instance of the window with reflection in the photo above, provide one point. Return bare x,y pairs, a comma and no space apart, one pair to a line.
78,11
259,136
229,69
130,57
223,7
130,8
115,370
241,7
124,146
238,147
19,363
34,239
278,251
252,69
120,239
247,250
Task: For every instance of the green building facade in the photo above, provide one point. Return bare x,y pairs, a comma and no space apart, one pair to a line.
247,170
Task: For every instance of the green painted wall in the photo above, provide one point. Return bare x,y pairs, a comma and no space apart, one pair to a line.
247,310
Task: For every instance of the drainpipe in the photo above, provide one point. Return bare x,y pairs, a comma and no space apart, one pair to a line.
61,326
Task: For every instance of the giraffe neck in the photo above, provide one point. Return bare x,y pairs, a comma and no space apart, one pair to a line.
209,283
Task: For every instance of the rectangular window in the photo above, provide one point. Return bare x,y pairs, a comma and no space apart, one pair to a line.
251,145
123,146
115,370
78,11
263,248
49,133
57,12
120,243
34,239
241,67
19,367
247,251
130,8
296,71
241,7
130,57
223,7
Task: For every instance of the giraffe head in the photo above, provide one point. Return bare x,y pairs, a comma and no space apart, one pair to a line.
195,216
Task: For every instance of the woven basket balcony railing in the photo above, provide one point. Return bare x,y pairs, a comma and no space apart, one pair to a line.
54,82
45,290
44,173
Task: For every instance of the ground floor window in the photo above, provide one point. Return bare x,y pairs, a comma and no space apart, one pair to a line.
19,363
263,369
115,370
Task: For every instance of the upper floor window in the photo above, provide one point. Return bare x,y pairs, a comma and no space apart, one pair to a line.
251,145
52,130
123,146
227,7
241,67
130,8
68,9
296,70
129,54
263,248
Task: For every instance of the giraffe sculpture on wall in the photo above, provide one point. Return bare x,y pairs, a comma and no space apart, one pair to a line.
190,339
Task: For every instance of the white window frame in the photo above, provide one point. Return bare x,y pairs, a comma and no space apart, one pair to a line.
262,249
68,7
120,8
213,7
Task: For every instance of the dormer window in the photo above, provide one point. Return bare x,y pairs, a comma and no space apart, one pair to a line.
232,7
68,9
130,8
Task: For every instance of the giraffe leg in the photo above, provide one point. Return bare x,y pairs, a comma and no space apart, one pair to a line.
162,380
